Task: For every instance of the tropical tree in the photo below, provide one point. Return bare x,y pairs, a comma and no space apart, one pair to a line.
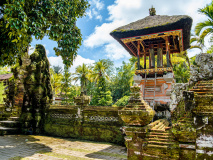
56,81
65,85
102,94
21,19
102,68
203,29
82,75
122,81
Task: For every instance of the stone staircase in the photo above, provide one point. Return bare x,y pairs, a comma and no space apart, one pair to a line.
203,94
10,126
160,143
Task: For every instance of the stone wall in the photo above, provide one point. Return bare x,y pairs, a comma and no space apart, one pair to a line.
89,123
201,69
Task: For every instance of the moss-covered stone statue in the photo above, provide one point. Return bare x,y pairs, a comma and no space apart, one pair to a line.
31,89
38,91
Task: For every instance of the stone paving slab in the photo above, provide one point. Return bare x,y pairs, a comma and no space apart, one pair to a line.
30,147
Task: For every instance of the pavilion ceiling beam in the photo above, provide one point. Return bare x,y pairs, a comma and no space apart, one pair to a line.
156,35
142,44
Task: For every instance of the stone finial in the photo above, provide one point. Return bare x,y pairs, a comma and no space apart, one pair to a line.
152,11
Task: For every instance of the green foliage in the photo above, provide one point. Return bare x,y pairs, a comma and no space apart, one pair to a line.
203,29
4,70
122,81
82,74
105,99
102,95
68,91
56,19
56,79
122,101
181,72
102,68
1,92
65,84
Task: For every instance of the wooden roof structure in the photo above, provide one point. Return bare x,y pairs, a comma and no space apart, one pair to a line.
155,30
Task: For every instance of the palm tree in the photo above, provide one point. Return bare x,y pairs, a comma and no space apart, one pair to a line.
82,74
203,29
100,71
55,81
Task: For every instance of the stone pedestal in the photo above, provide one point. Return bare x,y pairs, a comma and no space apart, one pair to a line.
136,115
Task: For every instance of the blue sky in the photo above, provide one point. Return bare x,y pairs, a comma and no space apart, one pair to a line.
104,16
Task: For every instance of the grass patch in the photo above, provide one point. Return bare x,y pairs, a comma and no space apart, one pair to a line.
64,156
17,158
96,152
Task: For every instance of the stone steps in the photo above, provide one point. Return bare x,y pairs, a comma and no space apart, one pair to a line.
10,126
8,130
160,133
161,139
159,142
13,119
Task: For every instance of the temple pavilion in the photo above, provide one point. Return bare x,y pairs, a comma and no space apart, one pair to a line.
154,40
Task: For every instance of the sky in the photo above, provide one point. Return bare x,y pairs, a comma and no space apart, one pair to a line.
104,16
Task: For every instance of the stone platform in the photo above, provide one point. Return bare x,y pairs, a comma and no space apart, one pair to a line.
23,147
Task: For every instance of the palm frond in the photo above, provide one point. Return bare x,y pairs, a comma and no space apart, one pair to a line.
201,25
205,33
208,11
196,46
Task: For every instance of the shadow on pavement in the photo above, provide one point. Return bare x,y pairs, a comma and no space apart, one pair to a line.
20,146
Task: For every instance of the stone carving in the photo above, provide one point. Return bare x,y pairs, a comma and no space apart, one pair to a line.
177,94
202,69
82,100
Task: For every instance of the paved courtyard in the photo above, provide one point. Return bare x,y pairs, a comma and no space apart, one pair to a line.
30,147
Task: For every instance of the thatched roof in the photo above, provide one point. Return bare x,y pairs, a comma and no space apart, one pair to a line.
155,24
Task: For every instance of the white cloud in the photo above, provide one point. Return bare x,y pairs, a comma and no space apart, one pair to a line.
31,50
89,14
57,61
123,12
116,51
95,7
98,4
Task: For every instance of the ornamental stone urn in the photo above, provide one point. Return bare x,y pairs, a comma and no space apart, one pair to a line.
82,100
137,112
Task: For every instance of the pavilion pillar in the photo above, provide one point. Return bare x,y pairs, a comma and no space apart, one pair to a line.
138,55
167,53
159,56
144,59
151,56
